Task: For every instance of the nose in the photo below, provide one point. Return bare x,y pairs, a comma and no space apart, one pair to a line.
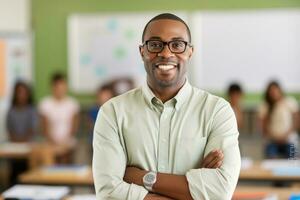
166,53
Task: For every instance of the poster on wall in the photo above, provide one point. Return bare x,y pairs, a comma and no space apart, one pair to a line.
15,62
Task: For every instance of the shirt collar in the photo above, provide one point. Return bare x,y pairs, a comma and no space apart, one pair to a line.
182,95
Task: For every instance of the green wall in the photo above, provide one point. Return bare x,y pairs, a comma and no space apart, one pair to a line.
49,23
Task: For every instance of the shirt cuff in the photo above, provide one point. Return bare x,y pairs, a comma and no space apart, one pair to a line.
196,185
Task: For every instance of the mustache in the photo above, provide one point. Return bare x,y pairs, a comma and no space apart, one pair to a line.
165,60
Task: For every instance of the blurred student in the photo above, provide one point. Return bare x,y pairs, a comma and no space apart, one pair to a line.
21,120
21,123
235,95
104,93
122,85
279,121
59,116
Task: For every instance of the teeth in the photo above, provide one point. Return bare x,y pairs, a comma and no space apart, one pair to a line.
166,67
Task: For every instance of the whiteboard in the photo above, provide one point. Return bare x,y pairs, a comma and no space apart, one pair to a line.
248,46
105,46
251,47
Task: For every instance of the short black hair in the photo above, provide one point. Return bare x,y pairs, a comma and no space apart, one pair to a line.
27,87
234,88
56,77
171,17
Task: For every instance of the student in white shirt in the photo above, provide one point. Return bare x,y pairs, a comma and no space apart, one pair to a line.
59,117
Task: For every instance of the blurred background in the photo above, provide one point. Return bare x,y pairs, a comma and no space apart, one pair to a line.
60,60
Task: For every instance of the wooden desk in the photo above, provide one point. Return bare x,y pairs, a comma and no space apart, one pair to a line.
38,176
257,173
12,150
282,193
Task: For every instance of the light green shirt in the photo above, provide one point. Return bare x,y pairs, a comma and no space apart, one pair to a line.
137,129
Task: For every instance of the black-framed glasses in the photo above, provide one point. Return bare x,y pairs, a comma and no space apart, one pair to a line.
175,46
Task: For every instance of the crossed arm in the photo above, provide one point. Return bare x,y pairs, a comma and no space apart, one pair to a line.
114,181
162,190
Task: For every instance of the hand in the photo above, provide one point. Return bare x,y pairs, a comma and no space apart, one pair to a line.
213,160
134,175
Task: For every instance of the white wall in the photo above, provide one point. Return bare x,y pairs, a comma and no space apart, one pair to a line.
14,16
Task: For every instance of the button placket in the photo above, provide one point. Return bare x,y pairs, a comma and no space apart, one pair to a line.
164,131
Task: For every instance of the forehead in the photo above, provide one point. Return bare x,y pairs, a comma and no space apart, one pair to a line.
59,82
166,29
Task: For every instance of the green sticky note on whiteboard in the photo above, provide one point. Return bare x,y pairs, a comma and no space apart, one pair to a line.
120,53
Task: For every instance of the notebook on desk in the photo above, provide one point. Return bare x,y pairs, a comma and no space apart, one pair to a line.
282,167
36,192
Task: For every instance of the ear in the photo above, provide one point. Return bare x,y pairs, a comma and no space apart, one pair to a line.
141,51
191,51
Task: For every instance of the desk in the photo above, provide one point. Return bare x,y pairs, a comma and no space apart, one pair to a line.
257,173
282,193
38,176
11,150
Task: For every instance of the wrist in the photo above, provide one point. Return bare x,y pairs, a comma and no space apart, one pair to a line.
149,179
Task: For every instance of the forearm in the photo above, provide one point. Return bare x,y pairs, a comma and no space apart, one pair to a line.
152,196
179,188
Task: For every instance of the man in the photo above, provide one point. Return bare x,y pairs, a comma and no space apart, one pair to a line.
59,118
160,141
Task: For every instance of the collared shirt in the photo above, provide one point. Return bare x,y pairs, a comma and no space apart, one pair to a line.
137,129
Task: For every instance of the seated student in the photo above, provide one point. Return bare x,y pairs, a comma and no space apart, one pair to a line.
21,118
104,93
121,85
21,123
235,94
59,117
278,118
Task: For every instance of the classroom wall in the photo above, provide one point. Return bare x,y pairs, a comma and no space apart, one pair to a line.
49,22
14,16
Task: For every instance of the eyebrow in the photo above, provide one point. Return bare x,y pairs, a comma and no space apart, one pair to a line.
158,38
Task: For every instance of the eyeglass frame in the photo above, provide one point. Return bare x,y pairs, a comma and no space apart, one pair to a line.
167,43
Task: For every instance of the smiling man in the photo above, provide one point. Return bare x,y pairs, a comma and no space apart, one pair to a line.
167,139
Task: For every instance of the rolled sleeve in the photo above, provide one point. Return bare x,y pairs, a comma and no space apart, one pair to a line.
109,161
220,183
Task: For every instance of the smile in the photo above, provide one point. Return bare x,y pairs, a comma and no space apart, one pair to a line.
166,66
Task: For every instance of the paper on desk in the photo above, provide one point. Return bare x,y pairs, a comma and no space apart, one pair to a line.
36,192
280,163
83,197
286,171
